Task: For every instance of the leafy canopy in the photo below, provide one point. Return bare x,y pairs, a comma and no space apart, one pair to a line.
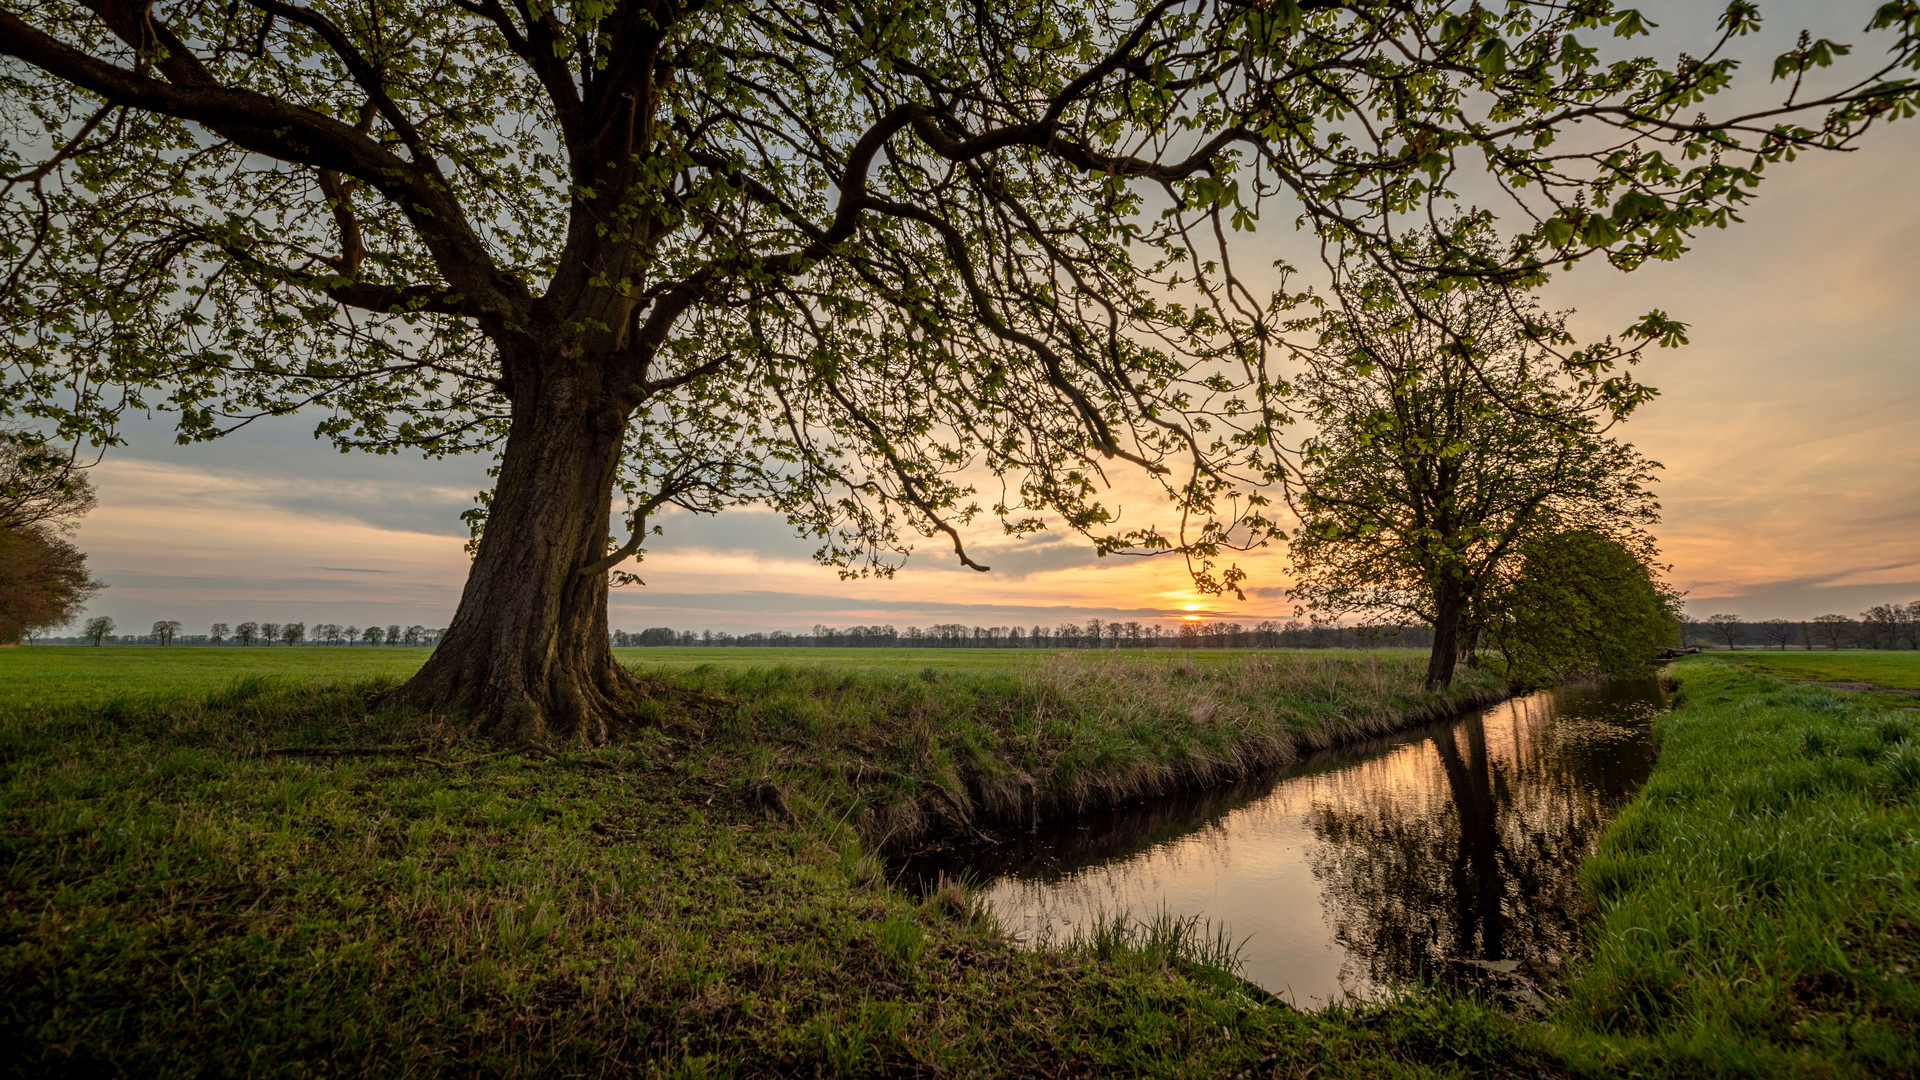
883,267
1579,604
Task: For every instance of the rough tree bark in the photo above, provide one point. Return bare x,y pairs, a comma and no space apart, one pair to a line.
1449,604
527,654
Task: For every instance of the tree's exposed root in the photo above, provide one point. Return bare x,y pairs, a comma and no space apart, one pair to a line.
583,709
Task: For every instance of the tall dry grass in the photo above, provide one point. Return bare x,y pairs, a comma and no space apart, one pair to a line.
920,758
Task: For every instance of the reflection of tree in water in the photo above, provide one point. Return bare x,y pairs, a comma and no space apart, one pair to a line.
1457,853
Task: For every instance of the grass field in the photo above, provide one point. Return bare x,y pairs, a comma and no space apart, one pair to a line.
180,901
1759,903
912,661
46,676
1895,670
703,899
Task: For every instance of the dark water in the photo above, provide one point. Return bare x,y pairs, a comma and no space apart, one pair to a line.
1443,854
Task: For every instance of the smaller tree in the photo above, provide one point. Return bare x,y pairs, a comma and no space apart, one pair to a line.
1833,629
217,633
293,633
99,628
247,633
393,634
165,630
39,484
371,635
1880,625
1726,628
1446,439
350,632
43,578
414,634
269,632
43,581
1780,631
1581,604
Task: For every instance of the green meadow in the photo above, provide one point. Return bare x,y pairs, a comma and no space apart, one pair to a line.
47,676
1884,673
264,870
66,676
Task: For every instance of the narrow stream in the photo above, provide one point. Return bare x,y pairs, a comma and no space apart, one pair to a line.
1442,854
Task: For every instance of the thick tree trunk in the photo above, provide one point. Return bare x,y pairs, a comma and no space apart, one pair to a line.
526,658
1449,604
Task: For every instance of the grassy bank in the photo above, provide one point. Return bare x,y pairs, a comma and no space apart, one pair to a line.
703,899
916,756
1760,901
699,900
904,744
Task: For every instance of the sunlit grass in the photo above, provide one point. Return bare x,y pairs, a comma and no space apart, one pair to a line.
1760,901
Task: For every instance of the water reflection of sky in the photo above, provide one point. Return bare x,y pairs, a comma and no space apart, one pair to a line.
1382,865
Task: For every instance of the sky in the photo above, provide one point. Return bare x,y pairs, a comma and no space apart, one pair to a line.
1789,428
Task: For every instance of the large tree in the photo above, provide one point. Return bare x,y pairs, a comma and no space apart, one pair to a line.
1442,446
854,260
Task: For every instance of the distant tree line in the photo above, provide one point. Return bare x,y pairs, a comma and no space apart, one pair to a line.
101,630
1092,634
1884,626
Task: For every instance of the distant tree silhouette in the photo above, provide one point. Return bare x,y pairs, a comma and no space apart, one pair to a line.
1833,629
1880,625
1780,631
